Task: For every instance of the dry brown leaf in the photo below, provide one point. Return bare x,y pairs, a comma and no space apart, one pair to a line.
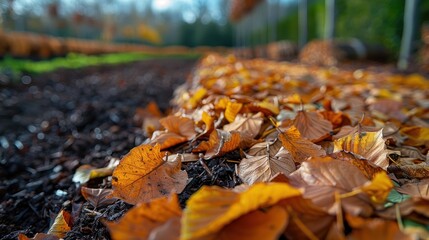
260,149
418,171
167,139
182,126
419,189
369,145
267,108
98,197
366,167
378,229
220,142
389,107
312,125
210,209
250,125
359,128
299,147
232,109
62,224
322,177
143,175
142,219
263,168
337,119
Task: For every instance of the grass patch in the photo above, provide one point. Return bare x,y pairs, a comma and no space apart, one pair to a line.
72,61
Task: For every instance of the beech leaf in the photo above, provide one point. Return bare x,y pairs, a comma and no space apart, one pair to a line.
299,147
62,224
369,145
249,125
262,168
143,174
312,125
142,219
98,197
182,126
211,209
219,143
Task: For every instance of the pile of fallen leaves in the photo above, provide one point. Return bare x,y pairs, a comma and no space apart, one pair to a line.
320,152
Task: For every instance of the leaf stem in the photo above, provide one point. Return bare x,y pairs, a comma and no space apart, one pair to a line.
307,232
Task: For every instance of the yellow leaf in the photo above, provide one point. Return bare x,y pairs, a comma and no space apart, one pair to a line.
208,121
212,208
379,188
299,147
232,109
143,175
142,219
369,145
266,107
61,225
199,94
417,136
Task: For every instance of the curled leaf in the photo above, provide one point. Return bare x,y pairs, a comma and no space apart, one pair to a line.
213,208
143,175
366,144
62,224
97,197
220,142
142,219
232,109
85,173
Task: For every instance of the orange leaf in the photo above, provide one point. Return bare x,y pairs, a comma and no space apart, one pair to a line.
97,197
299,147
180,125
220,142
143,175
248,125
62,224
167,139
378,229
264,167
232,109
38,236
256,225
213,208
379,187
266,107
209,122
312,126
369,145
142,219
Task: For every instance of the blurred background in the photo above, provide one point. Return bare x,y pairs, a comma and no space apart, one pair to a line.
226,23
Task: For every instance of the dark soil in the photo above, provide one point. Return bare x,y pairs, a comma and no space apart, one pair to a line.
59,121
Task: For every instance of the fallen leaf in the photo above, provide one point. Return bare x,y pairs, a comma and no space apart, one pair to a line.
182,126
322,177
337,119
379,188
211,209
312,125
209,123
299,147
87,172
416,136
62,224
260,149
359,128
419,189
369,145
418,171
167,139
220,142
250,125
143,175
262,168
265,107
232,109
378,229
256,225
142,219
38,236
199,94
97,197
366,167
168,230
